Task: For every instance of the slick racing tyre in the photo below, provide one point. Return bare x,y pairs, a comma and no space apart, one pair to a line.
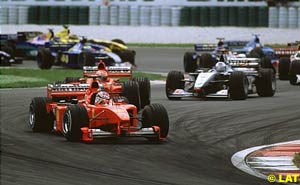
266,83
5,59
39,119
283,68
75,117
9,50
266,63
207,61
119,41
190,62
294,71
174,81
131,91
127,56
156,115
238,86
45,59
145,92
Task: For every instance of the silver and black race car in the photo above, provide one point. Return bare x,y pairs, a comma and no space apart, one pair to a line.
232,78
200,58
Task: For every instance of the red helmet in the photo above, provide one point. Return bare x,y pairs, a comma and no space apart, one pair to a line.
102,97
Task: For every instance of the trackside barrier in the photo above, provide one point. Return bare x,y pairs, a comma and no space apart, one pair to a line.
134,15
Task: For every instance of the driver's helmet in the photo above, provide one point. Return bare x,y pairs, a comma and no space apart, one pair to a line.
83,40
102,97
102,75
220,66
257,45
220,43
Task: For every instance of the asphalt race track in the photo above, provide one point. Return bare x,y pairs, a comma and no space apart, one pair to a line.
147,59
203,136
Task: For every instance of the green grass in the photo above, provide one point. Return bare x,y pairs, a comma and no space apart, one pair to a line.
17,78
296,159
20,81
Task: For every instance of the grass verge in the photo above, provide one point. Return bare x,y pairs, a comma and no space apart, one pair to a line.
23,78
296,160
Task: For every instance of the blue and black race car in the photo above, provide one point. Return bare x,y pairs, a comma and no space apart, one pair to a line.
84,53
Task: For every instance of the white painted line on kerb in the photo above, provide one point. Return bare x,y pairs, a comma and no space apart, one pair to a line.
239,159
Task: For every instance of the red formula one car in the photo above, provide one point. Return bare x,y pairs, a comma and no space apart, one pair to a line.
285,56
94,114
136,90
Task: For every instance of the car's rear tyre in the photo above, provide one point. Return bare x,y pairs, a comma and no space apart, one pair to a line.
283,68
294,70
266,63
156,115
5,60
238,86
9,50
145,90
39,119
119,41
131,91
266,83
207,61
74,118
72,79
127,56
44,58
190,62
174,81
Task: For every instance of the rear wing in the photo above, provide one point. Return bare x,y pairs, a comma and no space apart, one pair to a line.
235,43
60,46
212,47
285,51
20,36
89,71
244,62
205,47
67,91
27,35
296,43
6,37
113,71
291,49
